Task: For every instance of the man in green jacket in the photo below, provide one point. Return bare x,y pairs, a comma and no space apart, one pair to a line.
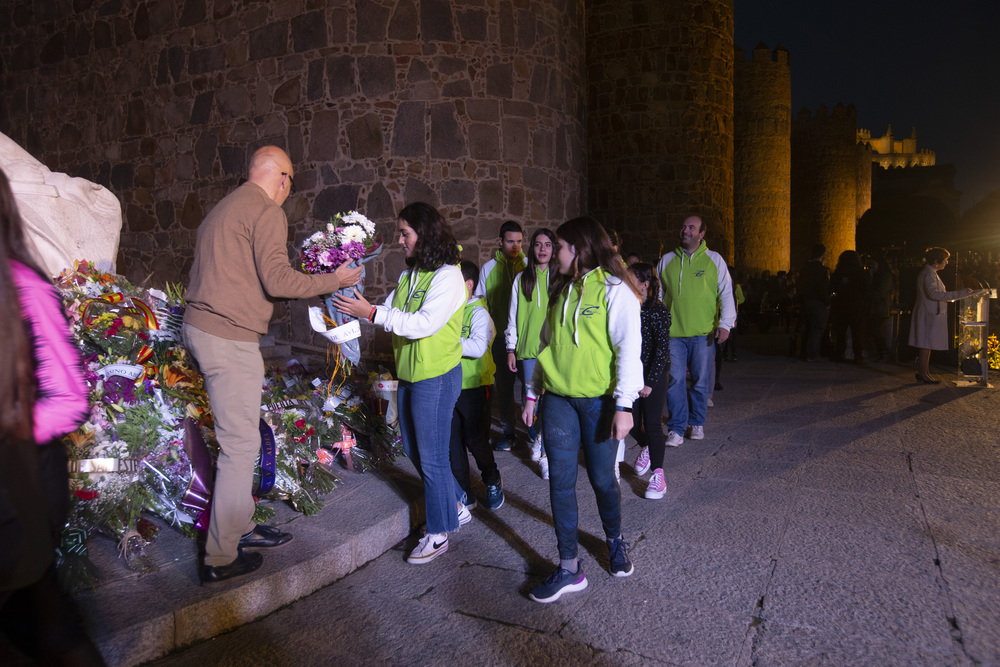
699,293
495,281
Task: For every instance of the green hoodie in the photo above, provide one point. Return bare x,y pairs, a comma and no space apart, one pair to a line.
422,358
579,360
698,291
495,281
531,315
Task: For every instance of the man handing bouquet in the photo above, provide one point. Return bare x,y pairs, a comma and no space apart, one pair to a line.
241,265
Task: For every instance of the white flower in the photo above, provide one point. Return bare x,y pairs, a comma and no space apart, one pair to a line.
355,218
352,233
329,227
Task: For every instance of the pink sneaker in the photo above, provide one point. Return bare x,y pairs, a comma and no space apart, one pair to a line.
657,485
642,463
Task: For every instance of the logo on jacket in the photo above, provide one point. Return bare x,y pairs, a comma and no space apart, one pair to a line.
466,331
589,311
419,294
699,273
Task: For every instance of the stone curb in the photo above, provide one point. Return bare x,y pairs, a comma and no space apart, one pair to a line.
135,618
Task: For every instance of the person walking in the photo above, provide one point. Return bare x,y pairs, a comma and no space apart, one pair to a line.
589,368
240,267
814,293
529,304
43,396
647,413
929,324
470,424
424,314
495,281
849,305
698,292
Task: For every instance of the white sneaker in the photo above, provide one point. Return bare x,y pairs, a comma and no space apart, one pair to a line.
711,403
536,447
697,432
543,463
428,548
674,439
621,451
464,515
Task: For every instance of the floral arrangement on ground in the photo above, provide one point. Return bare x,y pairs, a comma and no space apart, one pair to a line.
148,446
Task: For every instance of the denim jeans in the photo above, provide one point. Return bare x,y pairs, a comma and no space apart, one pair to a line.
567,425
425,412
696,354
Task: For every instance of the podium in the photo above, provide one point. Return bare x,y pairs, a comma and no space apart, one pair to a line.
973,332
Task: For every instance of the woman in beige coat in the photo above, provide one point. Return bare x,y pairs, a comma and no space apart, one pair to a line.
929,325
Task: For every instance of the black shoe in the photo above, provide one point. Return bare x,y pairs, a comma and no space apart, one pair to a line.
264,536
244,564
718,387
927,379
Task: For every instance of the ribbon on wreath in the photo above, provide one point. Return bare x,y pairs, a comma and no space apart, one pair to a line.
266,461
132,305
198,495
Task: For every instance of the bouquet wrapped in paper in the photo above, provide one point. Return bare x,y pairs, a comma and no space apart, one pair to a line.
348,237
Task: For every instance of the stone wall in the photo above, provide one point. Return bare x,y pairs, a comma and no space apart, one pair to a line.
660,119
473,106
762,160
827,194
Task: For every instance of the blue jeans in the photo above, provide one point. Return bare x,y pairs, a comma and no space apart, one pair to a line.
425,411
567,425
695,353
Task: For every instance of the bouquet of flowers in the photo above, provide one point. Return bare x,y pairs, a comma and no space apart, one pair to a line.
348,237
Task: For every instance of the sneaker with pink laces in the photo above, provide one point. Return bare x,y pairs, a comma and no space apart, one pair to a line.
642,462
657,485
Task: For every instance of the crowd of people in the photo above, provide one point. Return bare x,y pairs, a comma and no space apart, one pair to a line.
600,347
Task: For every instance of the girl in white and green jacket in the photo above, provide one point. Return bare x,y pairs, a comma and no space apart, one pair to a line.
424,315
529,303
589,368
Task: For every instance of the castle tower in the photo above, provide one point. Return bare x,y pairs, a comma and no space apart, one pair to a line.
762,160
660,119
826,192
476,108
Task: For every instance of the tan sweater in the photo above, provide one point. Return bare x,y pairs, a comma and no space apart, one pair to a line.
241,265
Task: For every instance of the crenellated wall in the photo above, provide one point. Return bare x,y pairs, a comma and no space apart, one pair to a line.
828,186
762,160
660,119
475,107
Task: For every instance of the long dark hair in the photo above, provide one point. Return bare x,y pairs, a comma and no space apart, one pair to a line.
17,374
529,277
593,249
436,245
644,272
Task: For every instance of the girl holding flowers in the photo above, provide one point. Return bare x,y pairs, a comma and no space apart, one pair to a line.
424,316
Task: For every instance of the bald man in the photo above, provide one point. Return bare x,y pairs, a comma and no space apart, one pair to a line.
240,266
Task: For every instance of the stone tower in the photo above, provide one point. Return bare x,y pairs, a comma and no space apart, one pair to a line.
762,160
660,119
476,108
830,191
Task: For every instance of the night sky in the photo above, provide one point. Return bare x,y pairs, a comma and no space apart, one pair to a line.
930,65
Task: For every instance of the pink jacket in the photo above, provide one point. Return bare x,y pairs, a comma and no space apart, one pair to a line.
61,404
